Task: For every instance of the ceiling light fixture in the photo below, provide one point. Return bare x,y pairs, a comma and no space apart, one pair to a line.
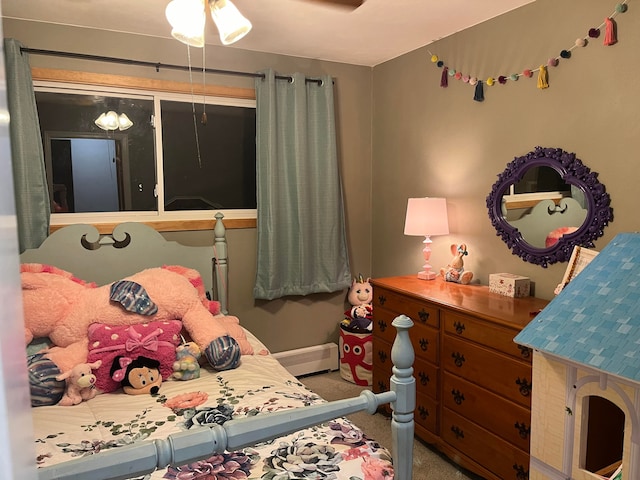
187,19
112,121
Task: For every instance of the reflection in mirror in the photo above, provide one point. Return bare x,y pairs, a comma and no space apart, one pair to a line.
546,202
88,168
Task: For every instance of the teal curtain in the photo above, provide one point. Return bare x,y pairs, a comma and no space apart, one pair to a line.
29,177
302,246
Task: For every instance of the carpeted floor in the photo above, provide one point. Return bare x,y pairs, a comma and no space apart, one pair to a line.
427,463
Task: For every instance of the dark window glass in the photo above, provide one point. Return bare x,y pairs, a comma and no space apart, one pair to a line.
223,176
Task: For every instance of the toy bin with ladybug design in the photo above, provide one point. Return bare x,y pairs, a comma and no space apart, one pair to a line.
356,356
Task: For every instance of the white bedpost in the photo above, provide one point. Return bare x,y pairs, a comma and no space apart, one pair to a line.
221,267
17,451
404,385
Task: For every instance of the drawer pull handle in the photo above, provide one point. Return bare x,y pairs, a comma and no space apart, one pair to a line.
525,352
523,430
424,378
458,432
382,299
423,412
459,326
424,315
382,355
458,359
424,344
524,386
458,397
382,324
521,473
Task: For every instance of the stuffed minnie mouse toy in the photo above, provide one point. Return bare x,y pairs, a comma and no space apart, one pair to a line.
137,376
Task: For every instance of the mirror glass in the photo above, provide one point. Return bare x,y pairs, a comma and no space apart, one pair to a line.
546,202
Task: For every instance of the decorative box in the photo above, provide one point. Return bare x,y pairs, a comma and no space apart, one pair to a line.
509,284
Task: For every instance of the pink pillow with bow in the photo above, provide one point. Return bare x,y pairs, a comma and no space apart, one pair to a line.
157,340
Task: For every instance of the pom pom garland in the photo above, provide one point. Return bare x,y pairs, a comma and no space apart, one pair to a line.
610,38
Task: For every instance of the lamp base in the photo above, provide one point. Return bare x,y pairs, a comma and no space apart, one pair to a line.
427,275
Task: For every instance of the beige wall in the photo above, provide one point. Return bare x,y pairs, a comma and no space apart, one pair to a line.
283,324
433,141
401,135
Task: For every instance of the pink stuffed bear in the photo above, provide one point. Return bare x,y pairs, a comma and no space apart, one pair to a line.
79,383
61,307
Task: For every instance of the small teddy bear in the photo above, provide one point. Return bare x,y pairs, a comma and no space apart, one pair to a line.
186,366
454,272
79,383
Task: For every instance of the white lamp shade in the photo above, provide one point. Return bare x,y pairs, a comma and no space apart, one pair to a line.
187,17
108,121
124,122
426,216
232,25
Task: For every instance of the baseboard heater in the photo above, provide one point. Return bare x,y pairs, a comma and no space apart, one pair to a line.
303,361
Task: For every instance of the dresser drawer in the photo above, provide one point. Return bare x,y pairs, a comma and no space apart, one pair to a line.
494,371
506,419
380,383
421,312
426,413
424,339
484,333
493,453
425,373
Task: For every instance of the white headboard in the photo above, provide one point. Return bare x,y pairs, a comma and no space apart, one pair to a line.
132,247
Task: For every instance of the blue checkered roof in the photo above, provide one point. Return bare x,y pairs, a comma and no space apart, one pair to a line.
595,320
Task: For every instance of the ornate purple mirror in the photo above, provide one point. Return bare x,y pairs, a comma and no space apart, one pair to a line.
546,202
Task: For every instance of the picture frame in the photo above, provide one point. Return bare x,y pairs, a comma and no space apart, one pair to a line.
580,258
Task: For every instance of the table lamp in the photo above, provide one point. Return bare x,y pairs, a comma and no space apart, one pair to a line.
426,217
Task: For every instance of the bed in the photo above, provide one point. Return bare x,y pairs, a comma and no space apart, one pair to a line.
255,420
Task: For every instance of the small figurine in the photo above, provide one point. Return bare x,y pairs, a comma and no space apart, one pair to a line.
79,383
360,314
186,366
454,272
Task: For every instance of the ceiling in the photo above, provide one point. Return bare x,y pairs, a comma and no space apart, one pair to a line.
377,31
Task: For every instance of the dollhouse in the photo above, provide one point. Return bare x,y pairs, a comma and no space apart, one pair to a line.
586,371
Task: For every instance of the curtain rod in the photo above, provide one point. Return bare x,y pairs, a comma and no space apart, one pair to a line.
157,66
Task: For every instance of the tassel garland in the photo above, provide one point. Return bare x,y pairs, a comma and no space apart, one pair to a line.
479,93
543,77
608,29
444,80
609,32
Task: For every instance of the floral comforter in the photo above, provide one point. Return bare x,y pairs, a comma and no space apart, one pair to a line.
335,450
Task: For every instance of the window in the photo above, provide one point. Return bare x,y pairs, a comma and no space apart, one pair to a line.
168,165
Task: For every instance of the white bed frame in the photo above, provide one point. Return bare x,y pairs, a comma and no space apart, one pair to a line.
80,249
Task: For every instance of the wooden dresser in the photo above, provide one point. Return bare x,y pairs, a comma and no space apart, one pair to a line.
473,382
